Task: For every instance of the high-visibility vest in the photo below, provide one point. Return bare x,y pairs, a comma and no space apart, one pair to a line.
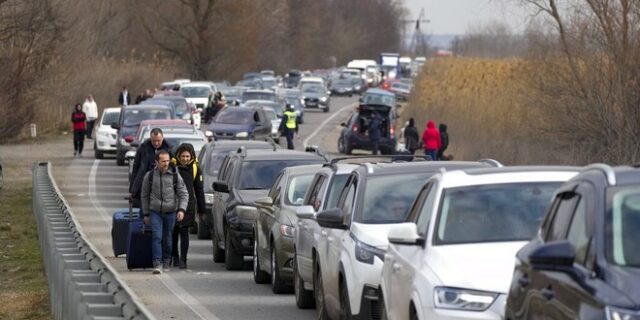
291,119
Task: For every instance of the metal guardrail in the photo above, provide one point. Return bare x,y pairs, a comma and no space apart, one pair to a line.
82,285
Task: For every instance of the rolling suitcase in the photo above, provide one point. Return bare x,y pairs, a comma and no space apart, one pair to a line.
139,246
120,228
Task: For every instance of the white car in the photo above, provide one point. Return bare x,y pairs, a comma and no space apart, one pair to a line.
199,94
106,137
322,194
275,123
454,259
353,238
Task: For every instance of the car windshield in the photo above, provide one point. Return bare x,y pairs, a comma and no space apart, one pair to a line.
313,88
110,117
341,83
493,213
388,198
248,95
622,228
384,99
135,116
195,92
261,174
235,116
297,188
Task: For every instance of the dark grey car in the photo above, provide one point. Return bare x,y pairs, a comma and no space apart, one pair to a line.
315,96
241,123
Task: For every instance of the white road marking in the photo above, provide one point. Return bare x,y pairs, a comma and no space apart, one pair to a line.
190,301
305,143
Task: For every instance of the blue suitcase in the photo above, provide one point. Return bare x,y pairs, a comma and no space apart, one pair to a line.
139,246
120,228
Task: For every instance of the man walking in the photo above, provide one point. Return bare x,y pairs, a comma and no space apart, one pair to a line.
162,206
90,108
289,125
144,162
124,99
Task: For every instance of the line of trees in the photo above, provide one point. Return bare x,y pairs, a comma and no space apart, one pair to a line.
55,52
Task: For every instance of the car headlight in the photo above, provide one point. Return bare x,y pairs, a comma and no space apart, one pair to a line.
208,198
246,212
323,99
366,253
621,314
357,88
462,299
242,134
287,231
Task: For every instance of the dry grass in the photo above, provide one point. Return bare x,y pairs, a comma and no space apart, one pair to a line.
484,104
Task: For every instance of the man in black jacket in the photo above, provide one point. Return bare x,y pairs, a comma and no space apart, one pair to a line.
444,137
124,99
144,162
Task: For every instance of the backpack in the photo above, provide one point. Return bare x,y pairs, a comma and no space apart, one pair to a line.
175,181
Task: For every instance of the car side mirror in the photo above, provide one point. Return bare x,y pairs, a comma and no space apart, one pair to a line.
220,187
405,233
328,92
305,212
264,202
115,125
343,124
135,144
332,218
553,255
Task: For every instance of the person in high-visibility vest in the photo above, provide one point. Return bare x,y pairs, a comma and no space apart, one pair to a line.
289,125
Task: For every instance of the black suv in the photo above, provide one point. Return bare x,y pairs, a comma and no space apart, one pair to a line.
355,134
584,262
210,159
245,176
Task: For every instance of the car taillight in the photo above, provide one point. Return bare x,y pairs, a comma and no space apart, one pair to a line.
354,128
393,132
128,139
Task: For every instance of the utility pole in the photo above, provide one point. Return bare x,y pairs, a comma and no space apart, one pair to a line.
418,45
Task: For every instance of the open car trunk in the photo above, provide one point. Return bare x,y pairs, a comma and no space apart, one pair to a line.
365,114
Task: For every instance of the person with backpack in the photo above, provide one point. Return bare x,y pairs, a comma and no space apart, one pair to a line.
144,162
431,140
79,121
444,138
162,206
187,165
411,137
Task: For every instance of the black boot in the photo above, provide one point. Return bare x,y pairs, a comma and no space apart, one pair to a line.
176,261
183,264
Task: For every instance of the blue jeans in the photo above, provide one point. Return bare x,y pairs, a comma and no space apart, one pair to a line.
161,230
289,135
432,153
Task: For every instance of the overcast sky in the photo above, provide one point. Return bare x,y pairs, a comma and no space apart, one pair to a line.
456,16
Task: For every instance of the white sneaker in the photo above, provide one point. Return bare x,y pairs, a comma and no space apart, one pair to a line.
157,270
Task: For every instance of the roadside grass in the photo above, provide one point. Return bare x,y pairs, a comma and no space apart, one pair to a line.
24,290
486,105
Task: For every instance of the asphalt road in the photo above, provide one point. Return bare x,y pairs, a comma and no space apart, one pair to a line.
95,188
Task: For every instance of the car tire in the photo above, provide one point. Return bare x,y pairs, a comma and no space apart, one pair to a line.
413,314
304,297
232,260
325,110
203,230
342,146
218,254
318,293
277,284
345,305
259,275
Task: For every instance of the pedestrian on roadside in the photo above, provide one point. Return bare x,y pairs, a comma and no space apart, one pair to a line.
289,125
444,138
140,97
90,109
187,165
162,207
79,121
375,126
124,99
431,140
145,162
411,137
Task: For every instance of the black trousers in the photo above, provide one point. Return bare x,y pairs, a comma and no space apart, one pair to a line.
78,141
90,124
180,234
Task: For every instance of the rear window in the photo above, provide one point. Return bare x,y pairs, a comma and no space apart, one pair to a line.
110,118
235,116
387,199
375,98
246,96
493,213
135,116
199,92
261,174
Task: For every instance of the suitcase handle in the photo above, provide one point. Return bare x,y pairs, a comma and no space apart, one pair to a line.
130,207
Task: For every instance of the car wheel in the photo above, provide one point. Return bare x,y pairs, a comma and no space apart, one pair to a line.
345,305
232,260
277,284
98,154
304,297
413,314
203,230
325,110
259,276
341,145
218,254
318,292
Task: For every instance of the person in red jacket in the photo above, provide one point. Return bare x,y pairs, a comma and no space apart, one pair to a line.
431,140
79,120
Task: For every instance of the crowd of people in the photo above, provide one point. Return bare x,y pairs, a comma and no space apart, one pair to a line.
434,141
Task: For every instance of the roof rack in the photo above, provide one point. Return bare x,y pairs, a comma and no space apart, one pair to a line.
606,170
492,162
317,150
242,151
390,157
273,143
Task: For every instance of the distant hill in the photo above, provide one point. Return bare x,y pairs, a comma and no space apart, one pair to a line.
440,41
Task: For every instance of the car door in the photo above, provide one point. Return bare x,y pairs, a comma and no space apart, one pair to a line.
568,296
266,219
220,206
305,240
339,241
